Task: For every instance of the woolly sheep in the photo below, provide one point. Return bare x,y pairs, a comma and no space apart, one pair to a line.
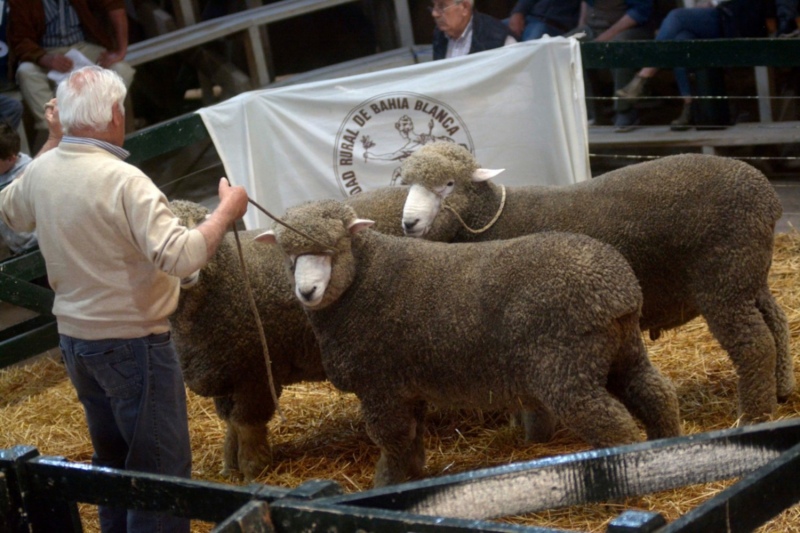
217,339
697,230
548,320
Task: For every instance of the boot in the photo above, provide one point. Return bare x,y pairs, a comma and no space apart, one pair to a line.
634,89
684,120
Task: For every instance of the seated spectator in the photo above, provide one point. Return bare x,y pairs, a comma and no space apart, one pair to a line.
726,19
460,30
786,14
12,163
616,20
10,110
41,32
532,19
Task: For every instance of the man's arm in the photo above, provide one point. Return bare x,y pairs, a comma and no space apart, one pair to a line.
232,207
619,26
119,20
53,126
23,32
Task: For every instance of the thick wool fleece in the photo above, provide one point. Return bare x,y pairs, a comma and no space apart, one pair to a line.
219,346
548,319
697,230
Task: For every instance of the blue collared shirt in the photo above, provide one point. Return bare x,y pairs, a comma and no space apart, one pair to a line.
118,151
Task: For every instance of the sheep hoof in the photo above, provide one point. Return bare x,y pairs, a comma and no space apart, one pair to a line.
231,473
539,424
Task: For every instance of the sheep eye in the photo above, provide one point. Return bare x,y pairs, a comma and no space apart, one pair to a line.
291,262
451,183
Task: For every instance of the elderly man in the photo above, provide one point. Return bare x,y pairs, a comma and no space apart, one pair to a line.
115,254
41,32
460,30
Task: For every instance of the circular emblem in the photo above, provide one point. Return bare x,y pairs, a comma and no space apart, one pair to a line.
380,133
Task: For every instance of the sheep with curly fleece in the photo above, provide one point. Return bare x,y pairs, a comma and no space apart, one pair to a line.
697,230
550,319
221,353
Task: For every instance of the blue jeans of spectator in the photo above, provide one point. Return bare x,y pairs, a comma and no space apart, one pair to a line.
689,23
135,403
536,29
10,110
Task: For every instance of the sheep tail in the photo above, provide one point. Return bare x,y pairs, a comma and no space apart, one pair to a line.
260,325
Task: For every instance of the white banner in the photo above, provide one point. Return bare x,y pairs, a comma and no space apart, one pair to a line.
519,107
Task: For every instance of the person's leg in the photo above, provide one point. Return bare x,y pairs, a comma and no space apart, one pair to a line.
93,51
10,110
536,29
36,90
158,429
626,115
85,360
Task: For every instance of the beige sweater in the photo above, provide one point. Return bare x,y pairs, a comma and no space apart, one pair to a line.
113,249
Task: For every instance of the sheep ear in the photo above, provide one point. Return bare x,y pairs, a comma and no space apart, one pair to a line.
483,174
359,225
268,237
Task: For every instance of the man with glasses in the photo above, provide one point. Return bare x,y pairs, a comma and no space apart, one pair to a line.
460,30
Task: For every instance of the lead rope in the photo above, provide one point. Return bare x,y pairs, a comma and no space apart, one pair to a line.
254,306
491,222
260,325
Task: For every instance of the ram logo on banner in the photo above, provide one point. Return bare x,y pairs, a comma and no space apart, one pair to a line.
377,147
519,107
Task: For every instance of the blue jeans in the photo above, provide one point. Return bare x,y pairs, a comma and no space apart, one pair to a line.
689,23
536,28
10,110
135,403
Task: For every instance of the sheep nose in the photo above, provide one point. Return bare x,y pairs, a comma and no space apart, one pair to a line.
408,226
309,293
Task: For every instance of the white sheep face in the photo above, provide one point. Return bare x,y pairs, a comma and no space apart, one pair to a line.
421,208
423,204
312,273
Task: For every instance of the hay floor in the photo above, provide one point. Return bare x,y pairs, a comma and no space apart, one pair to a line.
324,437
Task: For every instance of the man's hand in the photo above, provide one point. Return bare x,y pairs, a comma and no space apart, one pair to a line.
232,200
58,62
516,23
108,58
232,206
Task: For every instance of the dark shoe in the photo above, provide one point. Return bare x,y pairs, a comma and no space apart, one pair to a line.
626,121
684,121
634,89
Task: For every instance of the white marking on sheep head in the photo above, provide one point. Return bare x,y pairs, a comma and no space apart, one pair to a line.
421,207
311,271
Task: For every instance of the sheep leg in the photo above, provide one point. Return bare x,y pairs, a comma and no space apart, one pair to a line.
246,451
397,429
647,394
776,321
538,422
255,454
743,333
230,452
593,413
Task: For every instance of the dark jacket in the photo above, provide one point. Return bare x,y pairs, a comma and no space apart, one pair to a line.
487,33
742,18
26,25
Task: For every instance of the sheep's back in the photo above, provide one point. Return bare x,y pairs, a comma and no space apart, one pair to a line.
416,305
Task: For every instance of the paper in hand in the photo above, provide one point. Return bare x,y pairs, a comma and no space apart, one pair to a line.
78,61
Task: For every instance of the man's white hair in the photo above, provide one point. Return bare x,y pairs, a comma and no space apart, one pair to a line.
87,96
